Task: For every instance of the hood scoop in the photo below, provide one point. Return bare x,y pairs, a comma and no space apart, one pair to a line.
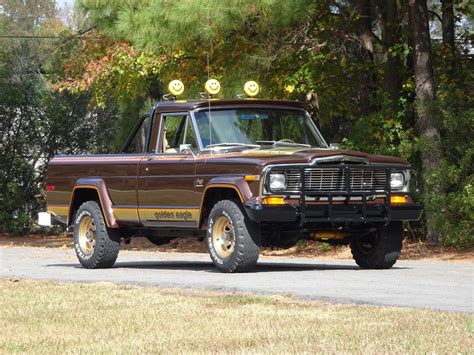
339,159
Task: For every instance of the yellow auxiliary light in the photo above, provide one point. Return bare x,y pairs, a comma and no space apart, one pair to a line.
212,87
251,88
176,87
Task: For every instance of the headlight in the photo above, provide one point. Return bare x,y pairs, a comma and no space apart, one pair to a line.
277,181
397,181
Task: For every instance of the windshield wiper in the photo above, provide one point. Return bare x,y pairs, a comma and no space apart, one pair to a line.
236,145
284,144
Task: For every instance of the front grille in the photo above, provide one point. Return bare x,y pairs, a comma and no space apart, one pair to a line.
293,181
362,180
334,179
325,180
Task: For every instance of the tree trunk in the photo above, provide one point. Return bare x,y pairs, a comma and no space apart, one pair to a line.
388,15
365,54
447,8
426,96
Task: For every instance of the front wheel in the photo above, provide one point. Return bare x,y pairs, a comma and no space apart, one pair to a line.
380,249
96,245
232,239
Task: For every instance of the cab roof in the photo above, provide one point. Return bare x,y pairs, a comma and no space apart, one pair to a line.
188,105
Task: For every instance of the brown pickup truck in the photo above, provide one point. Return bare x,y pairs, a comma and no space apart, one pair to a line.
240,174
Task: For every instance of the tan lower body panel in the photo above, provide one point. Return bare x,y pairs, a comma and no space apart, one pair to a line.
156,214
62,211
132,214
170,214
126,214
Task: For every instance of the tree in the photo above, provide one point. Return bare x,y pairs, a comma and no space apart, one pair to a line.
37,122
426,96
389,16
447,11
114,74
366,54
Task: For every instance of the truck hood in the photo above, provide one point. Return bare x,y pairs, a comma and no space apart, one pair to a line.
292,155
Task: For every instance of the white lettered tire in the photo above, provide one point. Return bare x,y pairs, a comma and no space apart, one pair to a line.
232,239
96,245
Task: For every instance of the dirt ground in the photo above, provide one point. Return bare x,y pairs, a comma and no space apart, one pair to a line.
412,250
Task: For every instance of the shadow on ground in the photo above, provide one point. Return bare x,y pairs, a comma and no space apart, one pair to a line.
208,267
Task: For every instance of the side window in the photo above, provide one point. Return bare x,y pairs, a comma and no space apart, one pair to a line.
138,143
177,130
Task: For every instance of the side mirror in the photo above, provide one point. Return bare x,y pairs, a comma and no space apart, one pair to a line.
334,146
186,149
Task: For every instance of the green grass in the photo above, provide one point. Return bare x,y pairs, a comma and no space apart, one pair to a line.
47,317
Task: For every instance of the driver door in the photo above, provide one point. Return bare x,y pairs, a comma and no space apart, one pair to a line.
166,191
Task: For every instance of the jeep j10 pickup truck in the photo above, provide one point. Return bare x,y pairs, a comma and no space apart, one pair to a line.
239,174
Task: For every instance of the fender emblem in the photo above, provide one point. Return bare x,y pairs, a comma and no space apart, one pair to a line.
199,183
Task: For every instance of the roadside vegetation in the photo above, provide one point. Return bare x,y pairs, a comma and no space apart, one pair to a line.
382,76
102,318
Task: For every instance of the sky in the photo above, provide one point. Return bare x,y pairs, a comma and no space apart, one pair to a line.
63,2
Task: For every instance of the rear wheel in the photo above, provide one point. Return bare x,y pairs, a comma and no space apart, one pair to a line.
380,249
232,239
96,245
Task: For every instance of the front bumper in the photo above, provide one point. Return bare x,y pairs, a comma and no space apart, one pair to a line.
344,193
356,213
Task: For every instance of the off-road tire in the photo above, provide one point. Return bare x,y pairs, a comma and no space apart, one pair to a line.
107,241
246,238
386,247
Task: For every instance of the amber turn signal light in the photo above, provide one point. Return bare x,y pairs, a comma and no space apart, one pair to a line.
273,201
252,177
398,199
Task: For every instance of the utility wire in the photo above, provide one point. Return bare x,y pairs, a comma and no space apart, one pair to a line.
79,35
46,37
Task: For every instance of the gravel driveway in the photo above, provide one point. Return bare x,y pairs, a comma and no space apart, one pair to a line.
420,284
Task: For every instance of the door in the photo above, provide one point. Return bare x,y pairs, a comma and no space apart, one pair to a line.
119,172
166,192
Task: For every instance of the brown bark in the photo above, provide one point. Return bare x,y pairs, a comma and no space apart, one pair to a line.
389,19
447,16
426,96
365,54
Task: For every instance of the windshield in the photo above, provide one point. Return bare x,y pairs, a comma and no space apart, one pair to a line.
257,127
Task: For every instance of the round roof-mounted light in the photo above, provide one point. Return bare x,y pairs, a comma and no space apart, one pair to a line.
212,87
176,87
251,88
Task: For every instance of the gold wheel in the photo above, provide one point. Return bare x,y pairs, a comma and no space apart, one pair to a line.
223,237
87,235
